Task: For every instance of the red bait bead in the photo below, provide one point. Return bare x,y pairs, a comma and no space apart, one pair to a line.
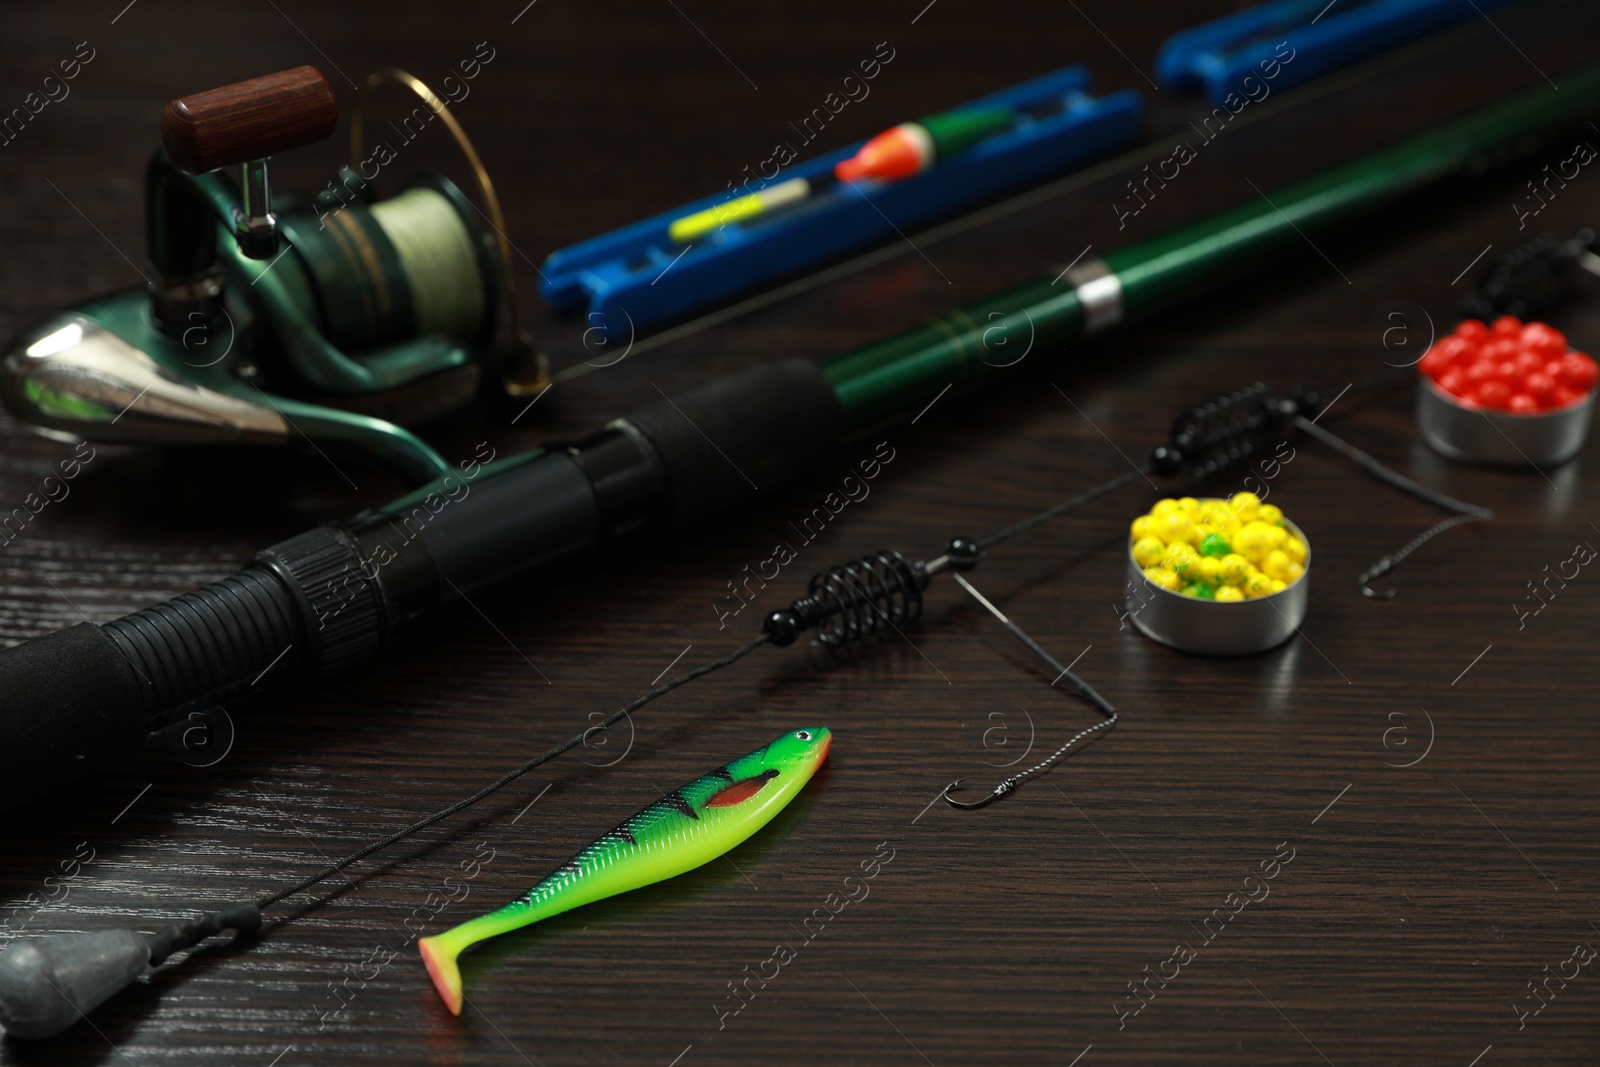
1539,385
1493,393
1578,371
1561,396
1543,340
1500,349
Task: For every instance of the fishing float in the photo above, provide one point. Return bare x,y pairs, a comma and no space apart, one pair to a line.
906,150
903,151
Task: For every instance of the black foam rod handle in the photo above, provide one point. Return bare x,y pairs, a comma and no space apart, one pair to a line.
727,441
49,983
70,707
77,702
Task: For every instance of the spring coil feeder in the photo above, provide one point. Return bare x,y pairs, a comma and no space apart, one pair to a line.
855,602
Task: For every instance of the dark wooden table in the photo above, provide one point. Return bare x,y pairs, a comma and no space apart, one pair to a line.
1427,762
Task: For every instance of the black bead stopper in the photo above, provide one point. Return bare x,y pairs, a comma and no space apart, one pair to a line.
1166,460
1307,400
782,626
964,553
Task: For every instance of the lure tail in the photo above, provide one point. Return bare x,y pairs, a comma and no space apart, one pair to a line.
441,961
439,953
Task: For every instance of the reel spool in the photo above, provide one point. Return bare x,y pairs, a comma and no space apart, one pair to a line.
333,318
385,270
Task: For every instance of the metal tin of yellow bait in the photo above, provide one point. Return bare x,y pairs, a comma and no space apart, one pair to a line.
1218,628
1501,438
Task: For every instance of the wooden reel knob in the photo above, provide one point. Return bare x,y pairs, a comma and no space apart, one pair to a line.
249,120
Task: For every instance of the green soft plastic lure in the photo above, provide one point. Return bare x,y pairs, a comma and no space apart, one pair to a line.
688,827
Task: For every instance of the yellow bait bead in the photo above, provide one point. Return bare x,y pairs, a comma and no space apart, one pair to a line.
1292,572
1235,568
1251,540
1162,507
1228,594
1257,585
1278,587
1244,505
1209,569
1276,536
1215,513
1172,526
1142,527
1276,566
1147,551
1181,558
1163,577
1271,514
1189,506
1295,549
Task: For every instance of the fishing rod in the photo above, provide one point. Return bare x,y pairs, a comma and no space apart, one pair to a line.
81,700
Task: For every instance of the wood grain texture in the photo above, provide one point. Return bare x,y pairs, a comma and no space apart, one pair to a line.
249,120
1420,901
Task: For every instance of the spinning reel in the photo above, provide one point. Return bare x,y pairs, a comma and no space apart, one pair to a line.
330,320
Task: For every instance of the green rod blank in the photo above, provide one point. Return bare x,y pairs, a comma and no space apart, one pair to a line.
899,374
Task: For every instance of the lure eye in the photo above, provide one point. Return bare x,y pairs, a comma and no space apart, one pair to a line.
804,735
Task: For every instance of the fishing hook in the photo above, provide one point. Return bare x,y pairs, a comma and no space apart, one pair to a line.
1377,570
972,805
1084,688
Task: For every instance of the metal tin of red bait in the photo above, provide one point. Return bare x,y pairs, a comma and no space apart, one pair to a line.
1501,438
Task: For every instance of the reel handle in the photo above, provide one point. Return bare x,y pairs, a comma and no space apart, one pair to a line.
249,120
245,123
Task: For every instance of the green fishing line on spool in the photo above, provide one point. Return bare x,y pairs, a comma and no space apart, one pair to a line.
414,265
439,260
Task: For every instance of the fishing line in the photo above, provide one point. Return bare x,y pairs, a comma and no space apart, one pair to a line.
438,258
512,775
1464,512
1070,505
